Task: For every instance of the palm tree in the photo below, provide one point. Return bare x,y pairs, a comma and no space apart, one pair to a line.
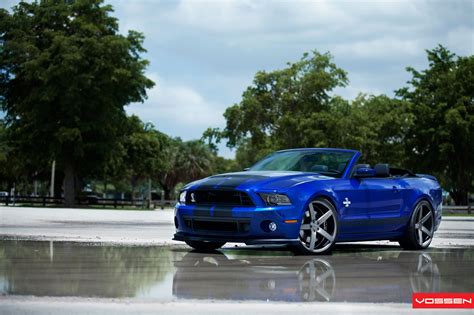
187,161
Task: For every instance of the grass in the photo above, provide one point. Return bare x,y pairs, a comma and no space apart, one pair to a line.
458,214
125,208
90,207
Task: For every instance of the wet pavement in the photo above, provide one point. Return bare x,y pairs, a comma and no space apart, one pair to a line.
353,273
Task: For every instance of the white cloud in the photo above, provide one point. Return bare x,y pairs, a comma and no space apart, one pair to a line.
462,37
219,16
178,110
207,51
382,47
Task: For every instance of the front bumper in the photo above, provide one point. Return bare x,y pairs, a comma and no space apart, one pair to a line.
183,237
249,225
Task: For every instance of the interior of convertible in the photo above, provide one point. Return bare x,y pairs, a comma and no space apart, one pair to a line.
380,171
326,162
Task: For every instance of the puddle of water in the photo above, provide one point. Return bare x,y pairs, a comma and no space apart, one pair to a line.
351,274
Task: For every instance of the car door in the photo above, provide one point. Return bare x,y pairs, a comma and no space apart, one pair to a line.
354,202
385,202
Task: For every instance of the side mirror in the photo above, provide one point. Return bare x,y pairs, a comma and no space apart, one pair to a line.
364,172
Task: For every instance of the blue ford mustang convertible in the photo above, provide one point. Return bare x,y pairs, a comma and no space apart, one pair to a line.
310,199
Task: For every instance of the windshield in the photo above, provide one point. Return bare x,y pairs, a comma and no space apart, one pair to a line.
324,162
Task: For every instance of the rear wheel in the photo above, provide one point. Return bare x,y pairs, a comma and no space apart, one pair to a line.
204,246
318,228
420,231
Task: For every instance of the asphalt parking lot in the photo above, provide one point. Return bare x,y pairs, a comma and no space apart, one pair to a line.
104,261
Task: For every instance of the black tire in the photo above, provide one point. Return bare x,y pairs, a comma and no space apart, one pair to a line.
419,237
322,225
204,246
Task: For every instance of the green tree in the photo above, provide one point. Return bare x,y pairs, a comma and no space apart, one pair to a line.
441,140
186,161
278,107
374,125
13,168
144,151
66,74
4,173
222,165
292,107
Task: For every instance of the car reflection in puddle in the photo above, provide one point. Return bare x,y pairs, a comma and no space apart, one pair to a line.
389,276
160,273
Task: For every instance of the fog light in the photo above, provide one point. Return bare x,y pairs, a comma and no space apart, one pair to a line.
272,226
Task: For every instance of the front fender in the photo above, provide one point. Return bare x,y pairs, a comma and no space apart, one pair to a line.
309,191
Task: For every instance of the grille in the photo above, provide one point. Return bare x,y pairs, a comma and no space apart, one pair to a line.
233,226
219,197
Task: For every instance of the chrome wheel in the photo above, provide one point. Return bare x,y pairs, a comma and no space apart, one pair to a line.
423,225
317,280
420,230
426,277
319,227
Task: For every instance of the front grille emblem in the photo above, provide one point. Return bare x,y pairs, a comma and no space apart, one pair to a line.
193,198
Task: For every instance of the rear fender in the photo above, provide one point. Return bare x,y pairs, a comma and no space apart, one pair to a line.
427,176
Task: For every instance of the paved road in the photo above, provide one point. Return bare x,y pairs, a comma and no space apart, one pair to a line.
93,307
127,227
57,261
148,227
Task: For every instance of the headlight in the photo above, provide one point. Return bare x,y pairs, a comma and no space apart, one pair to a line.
276,199
182,197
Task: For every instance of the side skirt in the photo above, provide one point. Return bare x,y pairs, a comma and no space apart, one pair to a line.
356,237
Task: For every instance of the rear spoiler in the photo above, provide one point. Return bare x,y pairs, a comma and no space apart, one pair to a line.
427,176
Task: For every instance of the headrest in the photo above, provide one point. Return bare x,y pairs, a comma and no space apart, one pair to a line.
382,170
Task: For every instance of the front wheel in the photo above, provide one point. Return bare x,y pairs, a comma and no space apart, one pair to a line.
421,227
318,229
203,246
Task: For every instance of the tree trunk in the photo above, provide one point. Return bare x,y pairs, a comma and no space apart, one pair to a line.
78,184
459,197
104,194
166,187
10,184
167,192
69,187
58,183
149,194
132,183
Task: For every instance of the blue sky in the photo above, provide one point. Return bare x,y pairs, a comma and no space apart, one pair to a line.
205,53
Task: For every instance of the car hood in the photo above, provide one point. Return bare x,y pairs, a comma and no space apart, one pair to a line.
251,180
